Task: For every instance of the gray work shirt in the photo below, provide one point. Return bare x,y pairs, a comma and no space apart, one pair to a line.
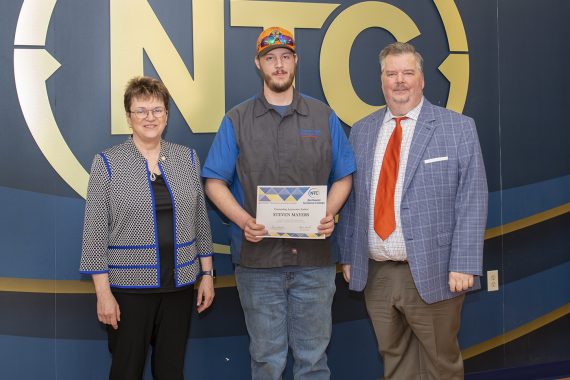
270,150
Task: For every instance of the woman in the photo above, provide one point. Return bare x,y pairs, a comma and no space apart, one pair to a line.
147,239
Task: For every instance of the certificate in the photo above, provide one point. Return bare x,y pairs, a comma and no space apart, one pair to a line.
292,212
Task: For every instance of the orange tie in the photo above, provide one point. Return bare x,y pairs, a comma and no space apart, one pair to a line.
384,216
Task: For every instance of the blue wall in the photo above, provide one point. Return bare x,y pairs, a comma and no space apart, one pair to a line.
518,81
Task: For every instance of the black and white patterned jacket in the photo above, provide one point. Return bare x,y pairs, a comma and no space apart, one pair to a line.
120,235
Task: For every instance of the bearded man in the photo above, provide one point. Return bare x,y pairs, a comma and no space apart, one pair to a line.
281,138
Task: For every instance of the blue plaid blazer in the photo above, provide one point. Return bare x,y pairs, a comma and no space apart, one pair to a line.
444,202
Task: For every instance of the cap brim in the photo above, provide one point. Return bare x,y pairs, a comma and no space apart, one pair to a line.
273,47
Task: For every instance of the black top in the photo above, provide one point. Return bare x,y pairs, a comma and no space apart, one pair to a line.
165,226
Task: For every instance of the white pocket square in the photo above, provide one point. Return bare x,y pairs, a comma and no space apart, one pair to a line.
436,159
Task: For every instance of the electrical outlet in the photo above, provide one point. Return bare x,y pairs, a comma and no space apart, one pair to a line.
492,280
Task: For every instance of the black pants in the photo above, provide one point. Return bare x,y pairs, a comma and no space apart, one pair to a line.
160,320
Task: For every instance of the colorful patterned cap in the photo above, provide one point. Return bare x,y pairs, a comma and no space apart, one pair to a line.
273,38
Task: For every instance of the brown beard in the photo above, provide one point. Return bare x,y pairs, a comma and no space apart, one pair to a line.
278,87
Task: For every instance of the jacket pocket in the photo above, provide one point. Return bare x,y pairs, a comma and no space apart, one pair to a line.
186,253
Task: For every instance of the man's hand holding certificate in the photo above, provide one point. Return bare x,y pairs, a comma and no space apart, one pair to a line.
291,211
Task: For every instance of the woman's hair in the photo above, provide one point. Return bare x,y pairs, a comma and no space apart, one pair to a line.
145,88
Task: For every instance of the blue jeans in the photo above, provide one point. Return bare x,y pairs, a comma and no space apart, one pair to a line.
287,309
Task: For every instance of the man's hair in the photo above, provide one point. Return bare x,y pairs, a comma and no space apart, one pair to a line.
145,88
398,48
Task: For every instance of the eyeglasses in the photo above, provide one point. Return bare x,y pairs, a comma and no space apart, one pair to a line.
142,113
276,38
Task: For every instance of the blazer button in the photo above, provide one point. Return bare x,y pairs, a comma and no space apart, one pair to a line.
293,251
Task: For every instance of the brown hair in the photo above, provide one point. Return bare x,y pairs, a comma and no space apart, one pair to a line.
145,88
398,48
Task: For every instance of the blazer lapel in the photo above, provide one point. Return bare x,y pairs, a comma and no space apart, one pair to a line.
372,131
423,132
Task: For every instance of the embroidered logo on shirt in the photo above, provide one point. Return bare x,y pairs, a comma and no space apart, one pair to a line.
309,133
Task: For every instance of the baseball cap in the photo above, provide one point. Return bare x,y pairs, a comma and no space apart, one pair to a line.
273,38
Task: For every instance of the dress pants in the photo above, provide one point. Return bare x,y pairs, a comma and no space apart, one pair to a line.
416,340
160,320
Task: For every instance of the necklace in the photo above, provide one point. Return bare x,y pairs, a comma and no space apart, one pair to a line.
152,174
147,154
157,167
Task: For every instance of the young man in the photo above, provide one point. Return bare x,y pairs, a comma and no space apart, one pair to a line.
281,138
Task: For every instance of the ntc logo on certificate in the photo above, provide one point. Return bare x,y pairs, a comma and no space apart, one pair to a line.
291,212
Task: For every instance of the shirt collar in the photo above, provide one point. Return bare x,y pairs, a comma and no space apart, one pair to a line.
298,105
413,114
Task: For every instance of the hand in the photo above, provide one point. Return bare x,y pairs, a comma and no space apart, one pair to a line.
327,225
108,311
205,293
346,272
254,232
460,281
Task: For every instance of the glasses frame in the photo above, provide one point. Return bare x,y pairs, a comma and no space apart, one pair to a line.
275,39
142,113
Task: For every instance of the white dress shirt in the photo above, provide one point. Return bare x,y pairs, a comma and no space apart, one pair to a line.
394,247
